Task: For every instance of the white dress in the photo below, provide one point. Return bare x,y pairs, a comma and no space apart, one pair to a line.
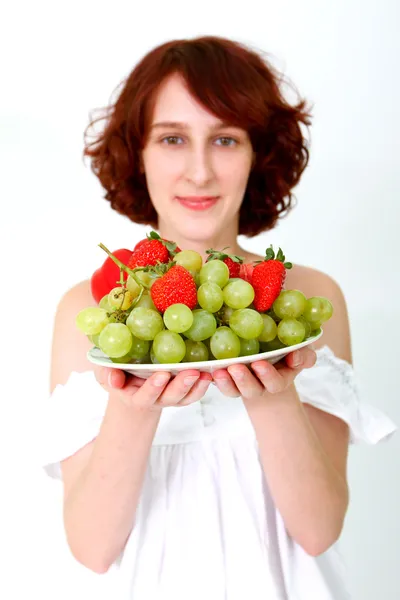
206,527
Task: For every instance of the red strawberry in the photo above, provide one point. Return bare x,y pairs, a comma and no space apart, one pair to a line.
232,261
139,244
151,251
177,286
268,279
246,271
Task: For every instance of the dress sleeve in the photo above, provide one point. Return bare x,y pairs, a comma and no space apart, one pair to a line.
331,386
69,419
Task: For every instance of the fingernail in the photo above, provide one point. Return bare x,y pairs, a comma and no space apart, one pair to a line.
260,370
161,379
222,380
191,380
237,374
110,383
297,359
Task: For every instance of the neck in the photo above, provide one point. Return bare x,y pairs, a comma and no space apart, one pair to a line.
223,239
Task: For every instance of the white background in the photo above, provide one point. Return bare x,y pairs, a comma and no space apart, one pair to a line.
59,62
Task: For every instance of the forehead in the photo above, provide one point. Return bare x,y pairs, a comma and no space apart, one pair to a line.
174,102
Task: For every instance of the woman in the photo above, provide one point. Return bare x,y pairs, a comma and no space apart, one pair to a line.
243,494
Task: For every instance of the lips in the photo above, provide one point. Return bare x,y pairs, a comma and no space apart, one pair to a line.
197,202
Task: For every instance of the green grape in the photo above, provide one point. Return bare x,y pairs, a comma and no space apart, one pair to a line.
225,343
210,297
274,344
91,320
238,294
249,347
327,309
139,349
145,323
273,316
197,279
207,344
120,298
225,314
146,360
169,347
153,357
195,351
134,287
246,323
215,271
204,325
146,301
316,332
269,329
291,331
190,260
104,303
118,316
115,340
307,326
94,338
289,303
315,327
178,318
318,310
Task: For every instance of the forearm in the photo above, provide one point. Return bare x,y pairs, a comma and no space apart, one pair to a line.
309,493
100,510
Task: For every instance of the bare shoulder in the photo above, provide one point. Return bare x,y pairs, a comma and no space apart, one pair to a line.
69,345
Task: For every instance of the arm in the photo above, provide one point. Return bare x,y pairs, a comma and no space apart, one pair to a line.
101,481
104,479
101,502
303,450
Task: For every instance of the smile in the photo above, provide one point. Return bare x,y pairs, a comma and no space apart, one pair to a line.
197,202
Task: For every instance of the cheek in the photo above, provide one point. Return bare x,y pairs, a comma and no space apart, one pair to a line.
161,170
235,174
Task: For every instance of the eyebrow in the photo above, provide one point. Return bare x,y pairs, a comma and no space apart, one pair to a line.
180,125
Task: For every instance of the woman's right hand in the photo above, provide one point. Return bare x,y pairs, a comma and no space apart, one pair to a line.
160,390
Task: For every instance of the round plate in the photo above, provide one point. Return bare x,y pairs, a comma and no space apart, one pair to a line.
96,356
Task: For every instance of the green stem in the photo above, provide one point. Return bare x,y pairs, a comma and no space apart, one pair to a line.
121,265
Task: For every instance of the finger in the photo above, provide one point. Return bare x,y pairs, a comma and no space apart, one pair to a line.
247,384
273,381
116,378
225,383
179,387
304,358
107,378
148,394
197,391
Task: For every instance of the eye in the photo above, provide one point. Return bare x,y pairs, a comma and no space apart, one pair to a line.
227,141
172,140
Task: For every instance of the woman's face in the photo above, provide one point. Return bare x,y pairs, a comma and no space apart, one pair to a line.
196,167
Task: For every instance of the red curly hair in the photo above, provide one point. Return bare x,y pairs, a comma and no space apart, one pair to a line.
237,85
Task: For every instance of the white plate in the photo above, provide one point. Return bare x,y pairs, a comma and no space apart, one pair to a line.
97,357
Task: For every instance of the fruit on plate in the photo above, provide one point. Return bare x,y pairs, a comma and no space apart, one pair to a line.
164,305
105,278
268,278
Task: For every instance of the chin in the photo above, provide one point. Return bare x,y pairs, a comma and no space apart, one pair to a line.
199,230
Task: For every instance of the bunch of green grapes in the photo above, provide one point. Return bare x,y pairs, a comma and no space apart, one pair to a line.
127,327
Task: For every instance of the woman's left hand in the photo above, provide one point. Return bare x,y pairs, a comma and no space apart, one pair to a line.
263,378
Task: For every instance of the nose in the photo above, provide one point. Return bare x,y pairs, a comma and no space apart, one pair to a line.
199,168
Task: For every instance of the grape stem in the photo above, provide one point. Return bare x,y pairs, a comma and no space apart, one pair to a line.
131,272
